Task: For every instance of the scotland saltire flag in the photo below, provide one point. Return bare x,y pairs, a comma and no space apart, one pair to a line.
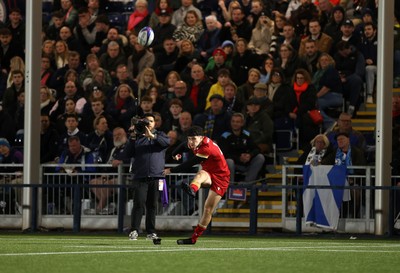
322,206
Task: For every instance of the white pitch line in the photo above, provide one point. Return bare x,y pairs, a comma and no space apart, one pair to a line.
181,249
276,247
123,240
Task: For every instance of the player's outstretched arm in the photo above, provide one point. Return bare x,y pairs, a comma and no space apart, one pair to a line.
185,166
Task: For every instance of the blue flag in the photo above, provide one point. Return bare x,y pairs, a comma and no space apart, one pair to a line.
322,206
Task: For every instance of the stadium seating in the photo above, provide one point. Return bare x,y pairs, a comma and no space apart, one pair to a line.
117,19
283,140
47,6
120,6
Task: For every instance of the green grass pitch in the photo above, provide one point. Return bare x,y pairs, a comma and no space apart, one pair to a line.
116,254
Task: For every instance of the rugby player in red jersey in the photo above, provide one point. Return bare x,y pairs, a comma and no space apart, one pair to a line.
214,173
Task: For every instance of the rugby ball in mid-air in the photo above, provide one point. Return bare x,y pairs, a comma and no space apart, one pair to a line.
145,36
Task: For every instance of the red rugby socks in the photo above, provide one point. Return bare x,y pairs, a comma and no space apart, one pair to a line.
198,231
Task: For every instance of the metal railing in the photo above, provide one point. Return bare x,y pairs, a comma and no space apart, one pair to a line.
356,215
72,200
67,199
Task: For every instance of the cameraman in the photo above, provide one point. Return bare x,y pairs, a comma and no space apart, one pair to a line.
147,147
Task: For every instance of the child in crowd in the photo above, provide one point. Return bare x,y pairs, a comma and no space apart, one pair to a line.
145,106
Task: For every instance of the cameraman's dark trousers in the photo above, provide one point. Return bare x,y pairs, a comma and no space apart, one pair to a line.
146,197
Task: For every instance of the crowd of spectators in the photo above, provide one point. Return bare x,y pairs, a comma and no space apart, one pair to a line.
272,61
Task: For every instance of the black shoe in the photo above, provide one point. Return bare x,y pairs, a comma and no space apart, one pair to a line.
187,189
157,241
187,241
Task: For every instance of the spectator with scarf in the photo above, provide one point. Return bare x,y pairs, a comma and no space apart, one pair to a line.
123,107
199,88
232,102
215,120
303,99
349,155
319,152
139,18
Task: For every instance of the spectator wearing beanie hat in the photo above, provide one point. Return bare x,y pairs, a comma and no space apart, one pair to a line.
4,142
325,8
227,43
338,16
366,17
215,63
219,51
9,155
228,47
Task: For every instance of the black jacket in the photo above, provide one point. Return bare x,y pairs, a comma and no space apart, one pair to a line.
149,155
233,146
204,87
48,145
14,49
243,31
7,126
160,33
281,101
164,63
